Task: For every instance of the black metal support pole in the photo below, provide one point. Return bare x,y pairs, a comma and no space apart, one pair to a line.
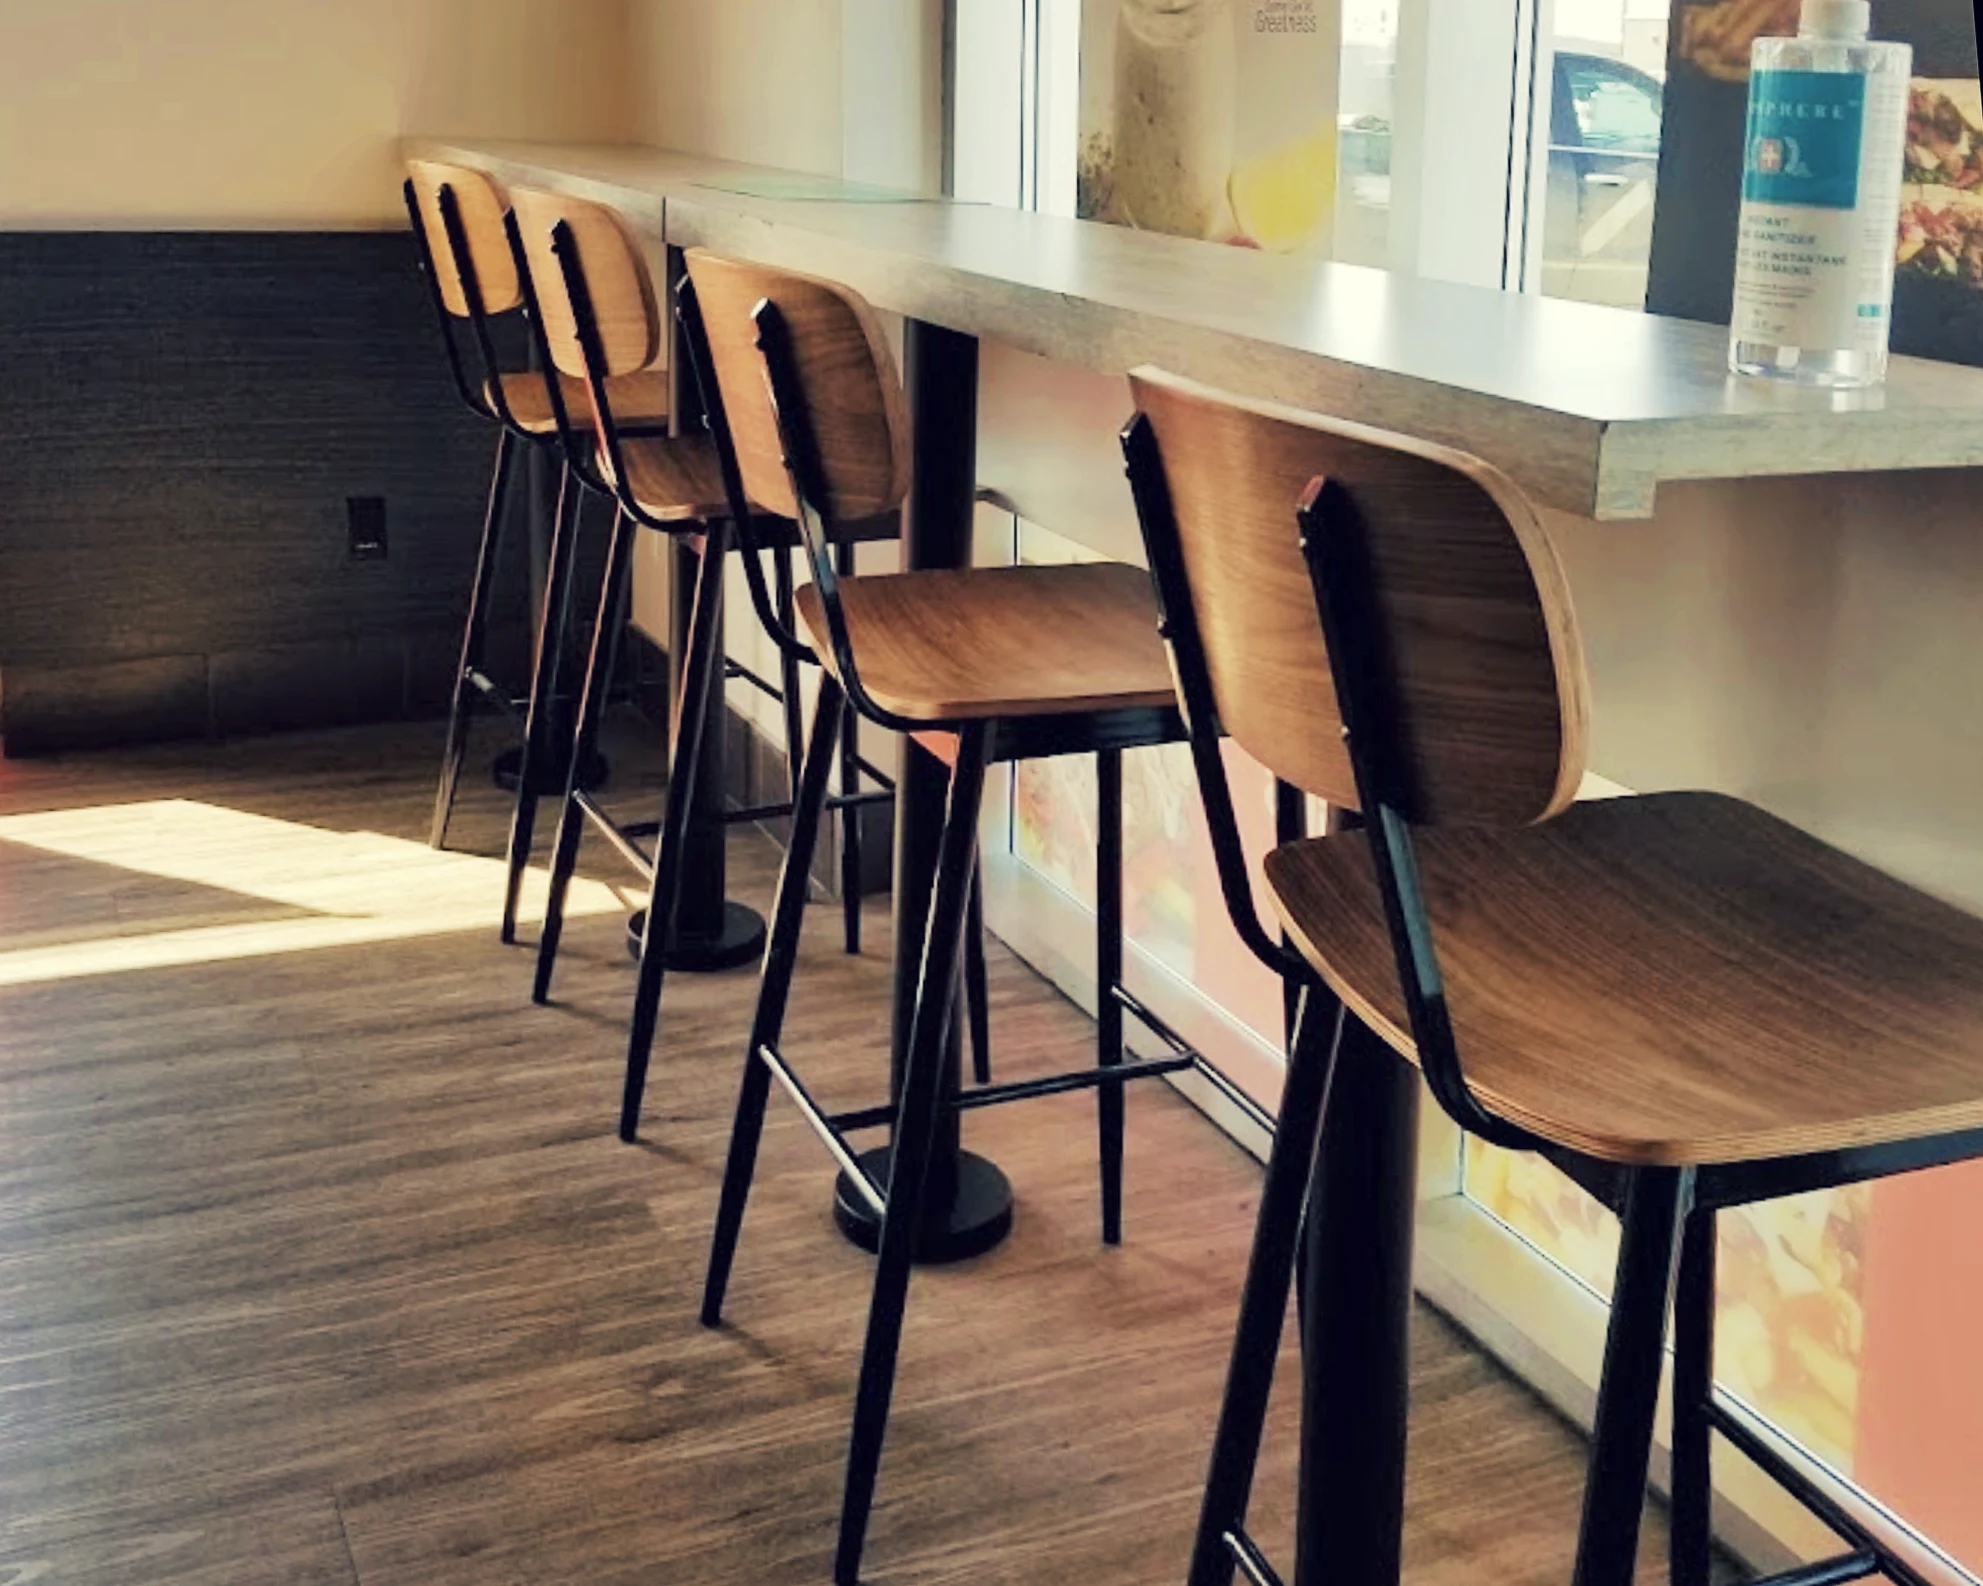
711,931
1356,1320
1108,977
1656,1206
941,373
541,475
474,634
1263,1302
1692,1535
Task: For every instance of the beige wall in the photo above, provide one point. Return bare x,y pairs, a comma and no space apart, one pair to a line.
281,113
752,80
839,87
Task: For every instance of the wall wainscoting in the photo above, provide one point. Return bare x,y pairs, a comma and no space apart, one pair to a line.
185,415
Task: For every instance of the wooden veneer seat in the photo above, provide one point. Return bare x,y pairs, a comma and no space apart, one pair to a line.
640,397
950,646
640,401
602,329
1687,1003
932,647
1682,978
978,664
1679,978
461,220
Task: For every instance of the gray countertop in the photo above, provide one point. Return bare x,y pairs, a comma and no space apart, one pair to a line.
1590,409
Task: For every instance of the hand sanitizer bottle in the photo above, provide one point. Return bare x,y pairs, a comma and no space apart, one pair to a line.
1821,177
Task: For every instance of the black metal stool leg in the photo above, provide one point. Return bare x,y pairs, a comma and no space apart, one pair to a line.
585,737
692,716
781,954
790,699
850,786
977,981
543,689
850,831
1656,1203
474,636
915,1136
1691,1554
1263,1303
1108,976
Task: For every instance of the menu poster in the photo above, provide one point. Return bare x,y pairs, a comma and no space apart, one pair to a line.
1213,119
1938,287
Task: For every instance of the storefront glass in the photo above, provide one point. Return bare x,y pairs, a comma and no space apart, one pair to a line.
1844,1317
1605,91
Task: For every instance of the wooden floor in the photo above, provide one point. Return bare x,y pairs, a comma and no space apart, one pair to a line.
324,1266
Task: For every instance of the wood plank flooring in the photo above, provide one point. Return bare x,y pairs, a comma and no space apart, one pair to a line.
324,1266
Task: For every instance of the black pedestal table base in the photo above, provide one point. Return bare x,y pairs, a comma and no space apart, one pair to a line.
739,942
980,1212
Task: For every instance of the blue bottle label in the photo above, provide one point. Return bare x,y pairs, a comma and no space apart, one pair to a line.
1805,130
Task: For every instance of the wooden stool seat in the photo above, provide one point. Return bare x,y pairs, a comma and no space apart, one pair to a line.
981,643
1677,979
674,480
640,401
1683,1003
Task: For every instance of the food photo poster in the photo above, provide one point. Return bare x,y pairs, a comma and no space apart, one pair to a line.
1212,119
1938,242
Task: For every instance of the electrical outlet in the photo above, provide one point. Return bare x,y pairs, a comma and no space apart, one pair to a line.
365,526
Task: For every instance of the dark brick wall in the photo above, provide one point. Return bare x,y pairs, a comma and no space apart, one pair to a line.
182,417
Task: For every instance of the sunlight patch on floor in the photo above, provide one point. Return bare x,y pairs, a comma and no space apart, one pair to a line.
359,886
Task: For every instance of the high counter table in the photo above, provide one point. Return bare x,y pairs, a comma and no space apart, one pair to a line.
1778,586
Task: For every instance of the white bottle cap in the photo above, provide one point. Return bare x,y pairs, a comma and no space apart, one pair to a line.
1848,20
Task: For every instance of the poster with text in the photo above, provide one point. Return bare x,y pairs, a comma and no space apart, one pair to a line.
1213,119
1938,288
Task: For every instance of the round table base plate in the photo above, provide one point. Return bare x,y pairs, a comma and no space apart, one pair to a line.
740,942
980,1217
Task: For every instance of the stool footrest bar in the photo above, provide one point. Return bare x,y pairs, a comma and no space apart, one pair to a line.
1757,1450
621,837
1251,1561
755,812
823,1126
865,1118
736,672
496,694
1082,1079
1827,1572
1199,1064
1256,1114
842,801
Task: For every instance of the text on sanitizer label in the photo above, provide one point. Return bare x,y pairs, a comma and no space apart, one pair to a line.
1800,269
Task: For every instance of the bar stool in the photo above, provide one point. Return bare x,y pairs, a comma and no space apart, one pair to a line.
458,216
1681,1001
593,301
982,666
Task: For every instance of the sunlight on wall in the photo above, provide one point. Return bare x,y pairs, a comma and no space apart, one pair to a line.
358,886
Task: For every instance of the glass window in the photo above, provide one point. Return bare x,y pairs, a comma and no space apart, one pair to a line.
1363,136
1844,1317
1605,88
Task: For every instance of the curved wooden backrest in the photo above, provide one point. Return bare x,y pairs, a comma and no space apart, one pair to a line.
1488,666
482,208
617,279
853,394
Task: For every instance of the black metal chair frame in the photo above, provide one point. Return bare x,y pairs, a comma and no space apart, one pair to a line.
471,682
753,534
903,1203
774,611
1668,1213
688,718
